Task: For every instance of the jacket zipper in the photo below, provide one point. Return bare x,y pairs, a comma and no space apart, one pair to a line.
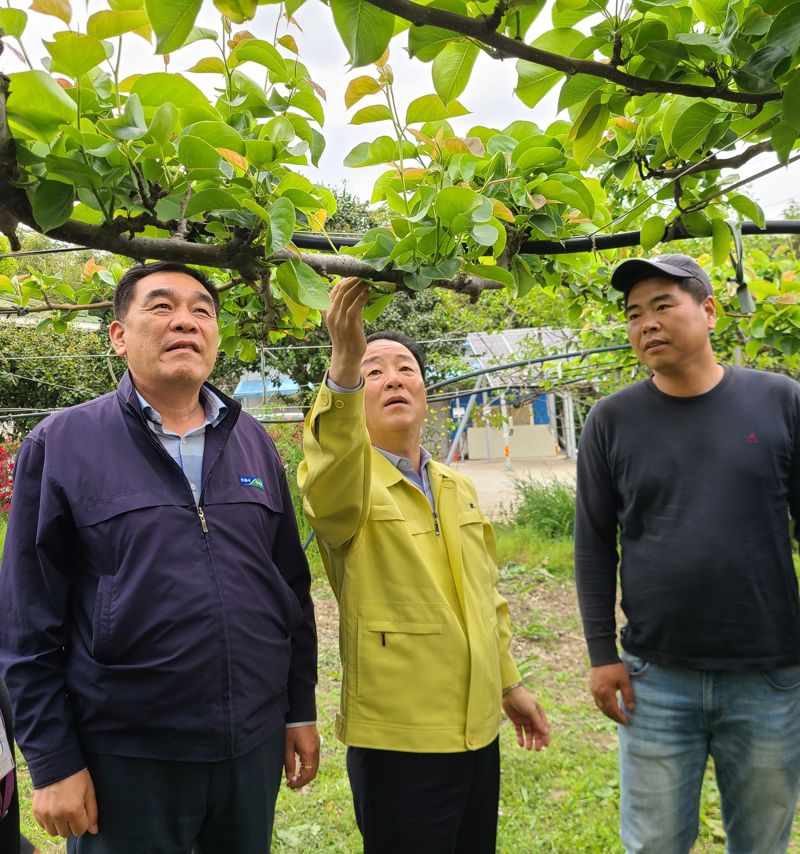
202,516
436,523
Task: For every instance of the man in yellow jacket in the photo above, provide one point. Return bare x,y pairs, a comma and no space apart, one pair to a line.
424,635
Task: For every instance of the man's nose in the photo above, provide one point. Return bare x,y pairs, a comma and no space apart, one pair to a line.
183,318
394,379
650,321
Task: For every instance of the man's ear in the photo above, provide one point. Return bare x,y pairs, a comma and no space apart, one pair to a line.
710,308
116,332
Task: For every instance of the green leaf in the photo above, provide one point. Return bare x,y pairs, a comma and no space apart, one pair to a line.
454,202
237,11
263,53
374,308
588,130
159,88
195,153
218,134
162,125
791,102
452,68
785,29
74,54
720,241
310,104
282,218
425,43
108,24
692,129
577,89
52,204
208,65
651,232
759,72
783,138
12,22
131,124
493,273
303,285
748,208
38,105
259,152
375,113
212,199
698,224
172,21
431,108
535,81
383,150
365,29
485,234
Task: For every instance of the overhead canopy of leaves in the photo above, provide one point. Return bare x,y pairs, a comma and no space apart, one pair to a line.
659,99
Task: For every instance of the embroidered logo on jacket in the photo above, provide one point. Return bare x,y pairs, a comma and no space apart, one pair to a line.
251,480
752,439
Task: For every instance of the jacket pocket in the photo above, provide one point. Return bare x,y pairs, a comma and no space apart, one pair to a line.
404,672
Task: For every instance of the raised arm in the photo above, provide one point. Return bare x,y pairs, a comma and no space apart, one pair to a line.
335,475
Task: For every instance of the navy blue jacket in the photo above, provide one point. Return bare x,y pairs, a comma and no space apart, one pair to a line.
135,625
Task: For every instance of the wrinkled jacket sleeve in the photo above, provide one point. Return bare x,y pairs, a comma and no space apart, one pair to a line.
335,475
289,557
34,591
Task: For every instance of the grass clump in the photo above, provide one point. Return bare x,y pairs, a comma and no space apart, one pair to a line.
546,507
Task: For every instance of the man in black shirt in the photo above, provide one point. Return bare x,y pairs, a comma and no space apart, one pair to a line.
697,469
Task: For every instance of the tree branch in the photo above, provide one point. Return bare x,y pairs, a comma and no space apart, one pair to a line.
478,29
713,163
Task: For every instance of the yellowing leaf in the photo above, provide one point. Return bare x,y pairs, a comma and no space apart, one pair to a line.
233,158
454,145
383,60
500,211
789,299
359,88
420,137
241,36
317,219
415,173
789,276
289,43
537,201
626,124
57,8
90,268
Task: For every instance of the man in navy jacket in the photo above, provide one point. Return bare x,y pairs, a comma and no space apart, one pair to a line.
156,626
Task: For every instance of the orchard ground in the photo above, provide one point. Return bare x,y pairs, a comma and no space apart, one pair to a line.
561,801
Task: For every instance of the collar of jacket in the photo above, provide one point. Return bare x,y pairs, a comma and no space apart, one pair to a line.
126,394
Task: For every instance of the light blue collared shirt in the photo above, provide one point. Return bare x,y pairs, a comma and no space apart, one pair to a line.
402,464
187,450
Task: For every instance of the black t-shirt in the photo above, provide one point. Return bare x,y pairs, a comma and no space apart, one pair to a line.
700,491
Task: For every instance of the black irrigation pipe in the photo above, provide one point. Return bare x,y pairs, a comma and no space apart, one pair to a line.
569,245
538,360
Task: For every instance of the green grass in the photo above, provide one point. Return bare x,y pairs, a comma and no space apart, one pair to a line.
564,800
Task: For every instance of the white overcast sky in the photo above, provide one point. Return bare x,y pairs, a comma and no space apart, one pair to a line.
489,95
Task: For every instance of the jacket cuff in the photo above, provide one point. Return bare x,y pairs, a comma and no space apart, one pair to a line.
302,702
509,673
603,651
49,769
347,404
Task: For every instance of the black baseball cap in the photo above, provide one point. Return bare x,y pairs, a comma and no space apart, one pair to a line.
635,270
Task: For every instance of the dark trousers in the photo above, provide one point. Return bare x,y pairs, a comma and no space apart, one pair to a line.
9,826
426,803
148,806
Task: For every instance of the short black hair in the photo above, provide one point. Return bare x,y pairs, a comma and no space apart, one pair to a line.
409,343
123,294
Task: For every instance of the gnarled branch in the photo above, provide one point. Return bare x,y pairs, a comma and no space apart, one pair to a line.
506,47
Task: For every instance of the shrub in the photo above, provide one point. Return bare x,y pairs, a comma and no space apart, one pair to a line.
7,451
544,506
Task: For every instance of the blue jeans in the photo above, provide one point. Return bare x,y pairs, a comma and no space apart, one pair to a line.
748,722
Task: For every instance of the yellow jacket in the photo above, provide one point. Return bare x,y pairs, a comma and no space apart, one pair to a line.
423,635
